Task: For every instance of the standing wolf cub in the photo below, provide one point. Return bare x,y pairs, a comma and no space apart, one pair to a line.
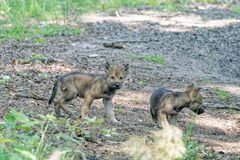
89,87
165,104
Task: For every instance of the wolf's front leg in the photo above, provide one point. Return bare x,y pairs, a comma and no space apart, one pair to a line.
109,110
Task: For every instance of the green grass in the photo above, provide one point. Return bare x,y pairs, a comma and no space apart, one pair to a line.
4,79
24,19
209,1
194,149
109,132
143,82
154,59
21,19
20,32
222,94
236,9
24,138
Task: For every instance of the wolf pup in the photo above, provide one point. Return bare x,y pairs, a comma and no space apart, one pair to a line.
89,87
165,104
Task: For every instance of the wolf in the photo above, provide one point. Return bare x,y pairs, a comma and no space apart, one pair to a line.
165,104
89,87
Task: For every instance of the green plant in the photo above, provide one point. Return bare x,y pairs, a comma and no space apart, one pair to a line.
24,138
222,94
4,79
231,110
55,30
236,9
27,18
44,75
209,1
143,82
205,80
193,148
154,59
119,109
95,121
109,132
40,40
39,56
20,32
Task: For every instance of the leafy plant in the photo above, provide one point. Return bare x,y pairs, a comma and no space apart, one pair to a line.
109,132
39,57
154,59
143,82
236,9
222,94
4,79
194,149
23,138
95,121
119,109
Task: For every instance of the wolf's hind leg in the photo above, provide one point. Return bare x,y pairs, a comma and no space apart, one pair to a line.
86,106
68,97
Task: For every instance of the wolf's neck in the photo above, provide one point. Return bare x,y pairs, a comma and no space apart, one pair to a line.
107,87
182,100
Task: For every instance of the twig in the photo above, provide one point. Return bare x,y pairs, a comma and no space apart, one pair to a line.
210,105
137,41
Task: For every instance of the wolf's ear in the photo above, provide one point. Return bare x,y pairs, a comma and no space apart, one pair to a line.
190,87
126,67
197,90
107,66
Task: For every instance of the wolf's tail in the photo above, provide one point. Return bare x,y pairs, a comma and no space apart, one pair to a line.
54,91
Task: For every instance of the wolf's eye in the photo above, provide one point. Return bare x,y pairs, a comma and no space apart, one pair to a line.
120,77
112,77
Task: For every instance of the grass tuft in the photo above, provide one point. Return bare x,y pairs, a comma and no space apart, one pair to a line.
222,94
236,9
154,59
22,137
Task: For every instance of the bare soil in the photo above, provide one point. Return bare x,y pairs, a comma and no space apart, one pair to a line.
200,45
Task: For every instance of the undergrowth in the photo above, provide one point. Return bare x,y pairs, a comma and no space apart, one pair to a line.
27,18
24,138
195,150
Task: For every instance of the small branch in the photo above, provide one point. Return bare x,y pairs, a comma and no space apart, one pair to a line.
210,105
116,45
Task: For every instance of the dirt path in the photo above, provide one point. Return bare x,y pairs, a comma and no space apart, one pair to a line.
200,46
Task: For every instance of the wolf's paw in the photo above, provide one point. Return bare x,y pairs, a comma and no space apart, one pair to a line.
116,122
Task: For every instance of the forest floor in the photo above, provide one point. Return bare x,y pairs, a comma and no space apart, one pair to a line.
200,46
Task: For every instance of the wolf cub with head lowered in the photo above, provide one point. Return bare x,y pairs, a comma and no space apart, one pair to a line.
89,87
165,104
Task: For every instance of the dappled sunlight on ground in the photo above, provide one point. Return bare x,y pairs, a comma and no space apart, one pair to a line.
133,99
53,68
221,146
217,129
225,122
176,23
